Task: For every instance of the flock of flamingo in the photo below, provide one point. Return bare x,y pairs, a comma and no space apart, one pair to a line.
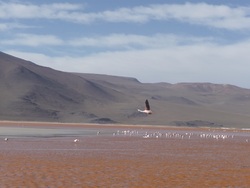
171,135
179,135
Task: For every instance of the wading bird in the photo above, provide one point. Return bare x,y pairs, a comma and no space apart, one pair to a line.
147,108
76,140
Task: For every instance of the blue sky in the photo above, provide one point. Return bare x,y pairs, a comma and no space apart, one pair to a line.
151,40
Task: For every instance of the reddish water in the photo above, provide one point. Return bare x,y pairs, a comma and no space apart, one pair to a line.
177,158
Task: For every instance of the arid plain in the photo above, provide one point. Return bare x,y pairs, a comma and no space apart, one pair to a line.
89,155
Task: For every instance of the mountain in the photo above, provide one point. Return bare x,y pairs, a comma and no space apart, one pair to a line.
32,92
36,93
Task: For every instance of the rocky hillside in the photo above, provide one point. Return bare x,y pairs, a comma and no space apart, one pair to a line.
32,92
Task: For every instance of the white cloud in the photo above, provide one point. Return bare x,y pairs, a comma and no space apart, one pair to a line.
219,16
29,11
4,26
133,41
32,40
8,26
112,41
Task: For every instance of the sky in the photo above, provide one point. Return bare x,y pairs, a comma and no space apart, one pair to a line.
152,40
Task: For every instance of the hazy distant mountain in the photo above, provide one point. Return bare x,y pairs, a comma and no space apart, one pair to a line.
32,92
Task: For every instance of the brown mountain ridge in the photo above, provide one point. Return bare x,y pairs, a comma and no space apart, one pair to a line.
35,93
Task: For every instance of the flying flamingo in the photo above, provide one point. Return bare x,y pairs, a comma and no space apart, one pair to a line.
147,108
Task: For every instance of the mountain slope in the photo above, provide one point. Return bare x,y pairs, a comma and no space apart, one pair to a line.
32,92
182,103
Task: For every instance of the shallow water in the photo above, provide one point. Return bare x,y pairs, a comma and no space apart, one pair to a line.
36,132
124,157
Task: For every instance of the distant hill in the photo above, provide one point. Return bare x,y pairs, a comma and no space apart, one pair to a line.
36,93
32,92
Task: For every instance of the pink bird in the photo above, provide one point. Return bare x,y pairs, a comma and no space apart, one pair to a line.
147,108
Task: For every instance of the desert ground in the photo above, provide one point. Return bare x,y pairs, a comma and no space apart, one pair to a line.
34,154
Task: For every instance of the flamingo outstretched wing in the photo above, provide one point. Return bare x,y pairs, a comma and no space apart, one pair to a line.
147,105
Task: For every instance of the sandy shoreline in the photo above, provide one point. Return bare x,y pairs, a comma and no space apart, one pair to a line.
169,157
68,124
